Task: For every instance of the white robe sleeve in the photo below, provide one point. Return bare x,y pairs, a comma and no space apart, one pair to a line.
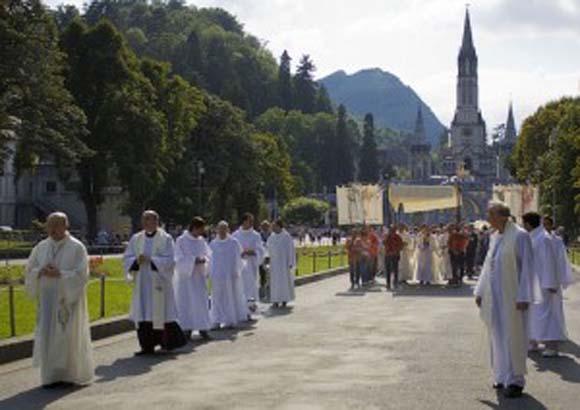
525,261
32,269
292,251
563,266
546,258
165,260
73,282
260,250
184,262
238,261
129,258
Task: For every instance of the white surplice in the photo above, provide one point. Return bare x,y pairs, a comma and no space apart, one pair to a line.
62,341
507,277
547,318
282,253
405,263
424,258
443,267
153,299
190,282
250,240
228,303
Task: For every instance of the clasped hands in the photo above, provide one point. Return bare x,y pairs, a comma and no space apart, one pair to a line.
142,260
248,252
50,271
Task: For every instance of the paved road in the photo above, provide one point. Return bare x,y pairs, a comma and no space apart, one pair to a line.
417,349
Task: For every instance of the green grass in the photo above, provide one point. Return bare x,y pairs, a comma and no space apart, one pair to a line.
7,245
118,293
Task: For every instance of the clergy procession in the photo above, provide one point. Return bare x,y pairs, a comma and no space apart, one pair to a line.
191,285
172,296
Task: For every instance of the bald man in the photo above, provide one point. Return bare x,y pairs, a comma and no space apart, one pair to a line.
56,276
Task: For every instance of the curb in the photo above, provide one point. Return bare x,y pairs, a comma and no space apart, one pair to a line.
19,348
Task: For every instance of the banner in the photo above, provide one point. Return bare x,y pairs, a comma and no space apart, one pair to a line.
420,198
520,198
359,204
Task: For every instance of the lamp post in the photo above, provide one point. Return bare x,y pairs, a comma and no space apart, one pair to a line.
201,172
551,142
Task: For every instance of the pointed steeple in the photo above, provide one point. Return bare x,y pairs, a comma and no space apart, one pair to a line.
510,128
420,127
467,42
467,59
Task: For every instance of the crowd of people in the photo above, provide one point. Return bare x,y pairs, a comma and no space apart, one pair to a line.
171,297
425,254
521,273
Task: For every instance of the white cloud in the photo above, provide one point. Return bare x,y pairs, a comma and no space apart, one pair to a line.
528,49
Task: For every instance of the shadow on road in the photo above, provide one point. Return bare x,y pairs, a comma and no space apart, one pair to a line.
138,365
526,402
375,288
279,311
564,366
464,291
37,398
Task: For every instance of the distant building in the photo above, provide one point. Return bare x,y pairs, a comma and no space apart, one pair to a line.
38,192
468,149
420,162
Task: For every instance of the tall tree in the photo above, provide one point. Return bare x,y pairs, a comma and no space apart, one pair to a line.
345,147
323,102
304,86
34,104
285,81
368,161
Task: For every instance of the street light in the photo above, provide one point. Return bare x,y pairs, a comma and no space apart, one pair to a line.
551,142
201,172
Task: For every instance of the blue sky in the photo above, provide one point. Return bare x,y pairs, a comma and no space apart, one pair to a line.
529,50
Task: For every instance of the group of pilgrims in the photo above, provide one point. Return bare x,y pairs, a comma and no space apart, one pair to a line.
171,288
521,272
425,255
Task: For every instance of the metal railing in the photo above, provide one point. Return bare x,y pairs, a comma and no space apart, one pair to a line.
320,260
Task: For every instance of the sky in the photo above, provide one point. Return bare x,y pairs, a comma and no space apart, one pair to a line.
529,50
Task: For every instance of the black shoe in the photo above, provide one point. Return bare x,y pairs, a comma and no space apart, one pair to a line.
145,353
205,335
284,304
55,385
498,386
513,391
275,305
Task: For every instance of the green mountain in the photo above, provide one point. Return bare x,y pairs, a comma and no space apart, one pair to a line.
393,104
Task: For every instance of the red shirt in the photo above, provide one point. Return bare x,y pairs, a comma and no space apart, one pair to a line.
393,244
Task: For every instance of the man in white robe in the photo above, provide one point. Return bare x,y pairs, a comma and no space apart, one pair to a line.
148,263
228,304
503,293
282,253
253,253
192,257
57,274
548,325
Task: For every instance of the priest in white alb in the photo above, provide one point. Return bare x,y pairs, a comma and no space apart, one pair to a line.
228,304
504,293
57,274
148,263
253,254
282,254
192,257
547,318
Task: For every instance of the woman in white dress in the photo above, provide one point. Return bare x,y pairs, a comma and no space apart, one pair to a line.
424,256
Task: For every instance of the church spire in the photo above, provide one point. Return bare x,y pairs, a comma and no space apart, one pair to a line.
467,43
420,127
467,59
510,128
